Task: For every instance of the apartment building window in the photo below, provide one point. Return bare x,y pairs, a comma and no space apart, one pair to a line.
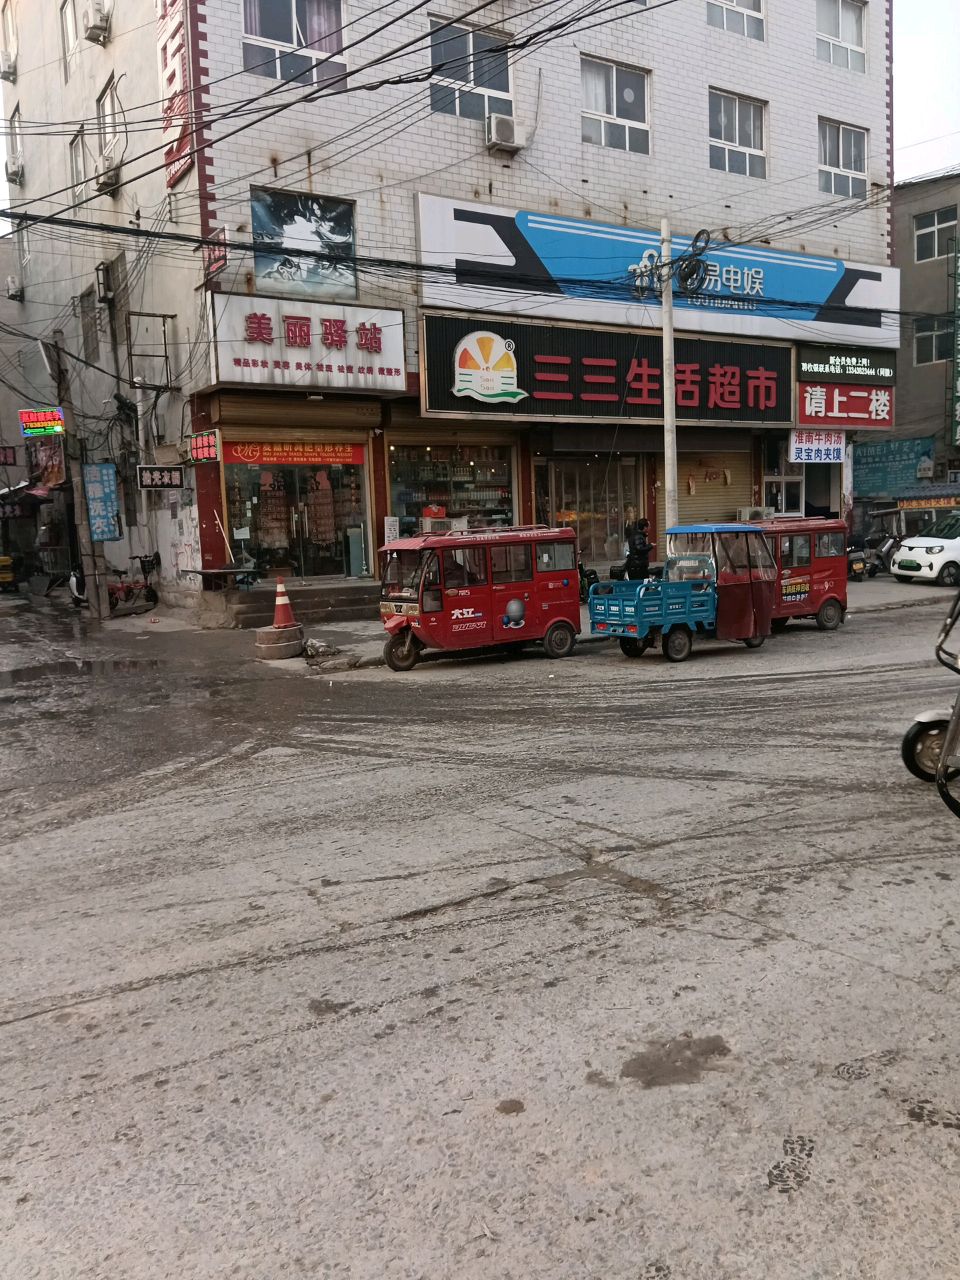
89,327
282,39
69,37
935,233
78,165
843,159
108,118
471,73
840,27
614,106
7,28
736,134
23,245
16,136
745,17
932,340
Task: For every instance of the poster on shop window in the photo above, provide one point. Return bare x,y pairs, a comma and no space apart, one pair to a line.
305,244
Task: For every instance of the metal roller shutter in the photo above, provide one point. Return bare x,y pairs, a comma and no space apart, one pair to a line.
723,483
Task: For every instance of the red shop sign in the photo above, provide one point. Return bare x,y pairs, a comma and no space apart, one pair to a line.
822,404
275,454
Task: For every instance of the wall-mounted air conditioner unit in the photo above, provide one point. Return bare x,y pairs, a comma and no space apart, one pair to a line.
14,289
8,66
106,173
96,22
14,169
503,135
745,514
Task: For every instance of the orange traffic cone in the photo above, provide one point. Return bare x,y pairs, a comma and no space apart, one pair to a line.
283,613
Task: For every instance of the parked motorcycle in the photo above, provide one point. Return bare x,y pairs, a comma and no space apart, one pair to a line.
948,766
924,748
587,579
856,563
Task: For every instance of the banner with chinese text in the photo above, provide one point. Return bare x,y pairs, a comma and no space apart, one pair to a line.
858,408
817,446
277,454
103,501
487,367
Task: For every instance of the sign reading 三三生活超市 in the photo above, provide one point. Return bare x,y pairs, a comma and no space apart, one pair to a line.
41,422
510,260
155,478
817,446
837,364
273,342
482,366
861,408
173,46
887,468
290,454
103,501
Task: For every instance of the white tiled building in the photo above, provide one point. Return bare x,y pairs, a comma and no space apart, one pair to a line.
765,121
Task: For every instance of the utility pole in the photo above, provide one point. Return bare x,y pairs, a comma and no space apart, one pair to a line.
669,377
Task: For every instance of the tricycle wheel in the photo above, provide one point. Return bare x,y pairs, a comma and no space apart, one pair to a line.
920,749
401,651
631,648
559,640
678,644
830,615
754,642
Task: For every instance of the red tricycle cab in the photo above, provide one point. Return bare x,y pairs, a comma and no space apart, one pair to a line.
811,556
474,588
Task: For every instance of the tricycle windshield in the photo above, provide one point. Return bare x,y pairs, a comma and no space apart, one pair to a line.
689,544
402,574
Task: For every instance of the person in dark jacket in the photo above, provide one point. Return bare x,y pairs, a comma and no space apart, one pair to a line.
639,546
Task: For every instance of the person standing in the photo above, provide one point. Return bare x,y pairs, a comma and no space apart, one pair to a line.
639,547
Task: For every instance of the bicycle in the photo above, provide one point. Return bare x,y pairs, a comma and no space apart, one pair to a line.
122,592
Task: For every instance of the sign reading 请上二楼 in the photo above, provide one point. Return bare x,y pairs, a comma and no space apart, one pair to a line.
514,261
817,446
480,366
837,364
177,133
41,422
274,342
103,501
155,478
860,408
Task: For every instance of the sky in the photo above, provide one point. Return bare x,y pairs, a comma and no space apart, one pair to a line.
926,86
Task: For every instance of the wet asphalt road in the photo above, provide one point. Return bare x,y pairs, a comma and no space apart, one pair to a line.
498,969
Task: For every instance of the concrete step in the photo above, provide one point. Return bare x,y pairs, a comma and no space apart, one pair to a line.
251,616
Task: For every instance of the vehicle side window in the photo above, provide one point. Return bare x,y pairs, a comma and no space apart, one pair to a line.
914,522
831,544
795,550
554,556
432,595
464,567
512,563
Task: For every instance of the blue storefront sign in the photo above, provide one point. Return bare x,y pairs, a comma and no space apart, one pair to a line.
520,262
103,501
889,468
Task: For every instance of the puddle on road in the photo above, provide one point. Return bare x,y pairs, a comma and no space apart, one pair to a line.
680,1061
76,667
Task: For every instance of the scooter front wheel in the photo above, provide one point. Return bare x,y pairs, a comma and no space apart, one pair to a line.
401,651
921,747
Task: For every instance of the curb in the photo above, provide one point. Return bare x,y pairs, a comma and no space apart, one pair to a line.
899,604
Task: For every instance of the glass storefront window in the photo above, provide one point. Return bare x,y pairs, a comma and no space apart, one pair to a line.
450,486
308,521
595,497
783,482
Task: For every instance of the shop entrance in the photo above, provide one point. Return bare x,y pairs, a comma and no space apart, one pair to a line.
302,520
594,497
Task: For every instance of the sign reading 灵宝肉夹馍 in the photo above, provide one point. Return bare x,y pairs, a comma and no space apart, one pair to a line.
275,453
177,133
275,342
860,408
155,478
508,260
482,366
817,446
41,422
850,364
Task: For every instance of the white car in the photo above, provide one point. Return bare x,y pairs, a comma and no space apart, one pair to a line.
928,559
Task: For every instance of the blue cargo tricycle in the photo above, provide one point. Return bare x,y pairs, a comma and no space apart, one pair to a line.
718,581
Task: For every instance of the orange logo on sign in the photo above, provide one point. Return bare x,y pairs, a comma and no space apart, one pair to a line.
247,452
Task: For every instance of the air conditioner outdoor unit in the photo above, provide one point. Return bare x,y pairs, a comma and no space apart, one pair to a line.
106,174
14,289
96,22
14,169
502,134
8,66
745,514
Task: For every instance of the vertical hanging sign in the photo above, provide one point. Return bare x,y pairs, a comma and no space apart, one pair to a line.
172,51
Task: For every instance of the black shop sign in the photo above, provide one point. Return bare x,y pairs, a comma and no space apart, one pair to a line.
492,368
846,364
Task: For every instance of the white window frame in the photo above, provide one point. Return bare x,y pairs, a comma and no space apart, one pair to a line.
7,30
448,91
108,118
940,226
833,48
68,9
264,56
609,121
15,133
787,473
729,147
78,164
23,245
933,327
833,178
742,17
